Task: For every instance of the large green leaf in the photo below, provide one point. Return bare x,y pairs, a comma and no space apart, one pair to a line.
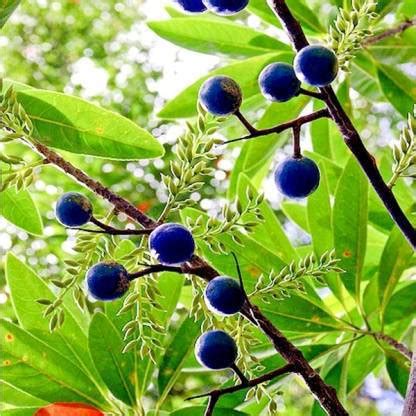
33,366
320,134
7,7
175,355
398,370
212,36
70,123
399,89
115,368
244,72
19,208
350,224
13,397
25,288
395,259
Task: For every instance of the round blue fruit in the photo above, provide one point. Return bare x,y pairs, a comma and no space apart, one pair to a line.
73,209
107,281
220,95
297,177
172,244
316,65
223,295
192,6
278,82
216,350
225,7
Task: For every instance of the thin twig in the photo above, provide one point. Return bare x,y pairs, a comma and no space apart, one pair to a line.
250,128
407,24
395,344
313,94
215,395
156,268
297,152
284,126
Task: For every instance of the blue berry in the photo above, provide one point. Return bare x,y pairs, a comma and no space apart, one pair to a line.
172,244
278,82
224,295
73,209
220,95
192,6
225,7
107,281
297,177
216,350
316,65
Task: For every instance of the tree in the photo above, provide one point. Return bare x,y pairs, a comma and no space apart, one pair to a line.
359,222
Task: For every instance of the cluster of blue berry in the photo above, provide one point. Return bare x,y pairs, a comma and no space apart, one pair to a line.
171,245
316,65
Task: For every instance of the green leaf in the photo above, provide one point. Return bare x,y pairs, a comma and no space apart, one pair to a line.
402,304
35,367
269,233
12,396
398,369
175,355
200,410
395,259
244,72
319,129
297,214
350,224
7,7
25,288
19,208
319,213
115,368
70,123
399,89
211,36
407,9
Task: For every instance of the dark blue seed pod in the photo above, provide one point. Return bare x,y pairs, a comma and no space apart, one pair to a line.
171,244
107,281
278,82
73,209
225,7
316,65
297,177
223,295
216,350
220,95
192,6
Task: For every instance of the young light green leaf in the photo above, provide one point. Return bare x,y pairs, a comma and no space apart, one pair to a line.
7,7
73,124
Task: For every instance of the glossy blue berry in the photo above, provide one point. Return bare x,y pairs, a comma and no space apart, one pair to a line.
278,82
225,7
216,350
223,295
171,244
297,177
107,281
192,6
316,65
73,209
220,95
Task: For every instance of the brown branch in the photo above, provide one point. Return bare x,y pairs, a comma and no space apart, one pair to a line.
347,129
407,24
410,401
324,393
282,127
313,94
395,344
